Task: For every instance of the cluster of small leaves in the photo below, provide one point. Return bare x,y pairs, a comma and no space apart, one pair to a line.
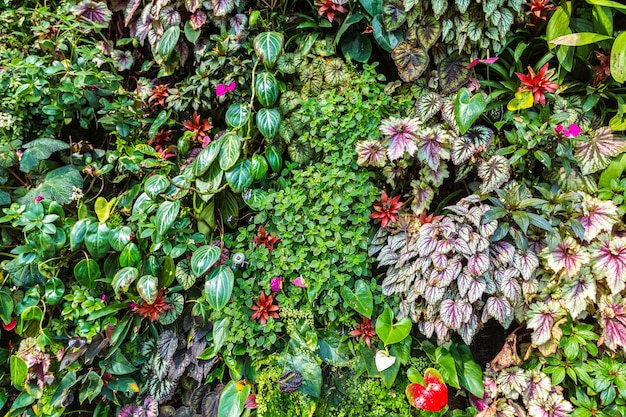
449,275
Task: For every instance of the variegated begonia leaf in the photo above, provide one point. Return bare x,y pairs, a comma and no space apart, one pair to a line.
394,15
526,263
427,240
169,17
222,7
198,19
595,153
504,251
455,312
478,263
568,255
426,327
435,177
468,330
423,195
463,282
453,73
493,172
541,317
476,289
513,381
500,309
130,10
462,148
480,136
598,216
123,59
613,321
433,146
609,261
578,292
410,60
428,32
447,114
442,331
401,136
508,284
192,5
428,105
434,294
451,272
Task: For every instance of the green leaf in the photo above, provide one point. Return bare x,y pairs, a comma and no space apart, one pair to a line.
119,237
40,150
361,299
22,400
268,122
447,366
87,271
6,307
166,215
97,239
613,171
232,399
268,46
91,388
228,208
147,287
356,47
258,166
373,7
177,302
538,221
219,286
557,26
231,149
428,32
410,60
385,40
203,258
54,290
206,157
472,378
123,279
191,34
618,58
609,3
63,390
305,363
158,122
523,100
274,159
239,177
168,272
221,329
103,208
130,256
58,185
394,15
266,88
579,39
155,185
19,372
184,274
389,332
238,115
77,234
168,42
602,17
468,109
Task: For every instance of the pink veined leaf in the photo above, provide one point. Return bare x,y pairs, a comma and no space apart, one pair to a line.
442,331
192,5
596,153
222,7
238,22
447,227
401,136
614,322
459,209
463,282
433,147
508,284
541,317
468,330
198,19
475,214
427,328
553,406
512,380
476,289
578,292
500,309
477,243
539,387
452,271
567,255
478,264
504,251
434,176
130,10
142,29
455,312
169,17
598,216
488,229
462,247
445,246
434,294
426,242
609,259
526,263
493,172
387,256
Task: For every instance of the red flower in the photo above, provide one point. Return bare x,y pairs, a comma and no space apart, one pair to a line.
153,310
328,8
264,308
538,83
10,326
364,330
199,127
159,94
538,10
424,218
387,209
432,396
262,238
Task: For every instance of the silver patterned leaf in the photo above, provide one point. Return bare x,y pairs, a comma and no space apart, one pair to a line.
505,252
426,242
440,260
500,309
428,105
162,390
475,215
442,331
445,246
509,285
596,153
387,257
462,149
468,330
541,318
419,286
476,289
493,172
455,312
167,343
451,272
462,247
463,282
427,328
434,294
447,113
526,264
579,292
488,229
478,264
377,243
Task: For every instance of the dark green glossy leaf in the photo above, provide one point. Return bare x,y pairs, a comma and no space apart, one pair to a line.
97,239
238,115
86,272
360,299
231,149
130,256
219,286
203,258
184,274
268,122
155,185
268,46
266,88
206,157
166,215
239,177
123,279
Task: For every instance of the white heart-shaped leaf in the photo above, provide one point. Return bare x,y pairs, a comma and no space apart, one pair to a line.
383,360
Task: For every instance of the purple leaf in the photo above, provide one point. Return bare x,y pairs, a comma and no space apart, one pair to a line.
433,147
442,331
476,289
454,313
440,260
614,322
579,292
526,264
596,153
469,329
370,153
598,216
401,136
130,10
238,22
434,294
169,17
610,262
504,251
123,59
541,318
426,241
198,19
509,286
463,282
426,327
500,309
493,172
192,5
567,255
478,264
222,7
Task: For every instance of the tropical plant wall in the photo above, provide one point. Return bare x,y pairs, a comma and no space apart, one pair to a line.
234,208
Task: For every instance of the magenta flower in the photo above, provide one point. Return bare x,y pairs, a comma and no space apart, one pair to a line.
38,198
299,282
276,284
487,61
222,89
250,403
571,132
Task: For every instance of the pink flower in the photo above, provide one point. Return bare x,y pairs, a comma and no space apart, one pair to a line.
222,89
250,402
572,132
487,61
38,198
276,284
299,282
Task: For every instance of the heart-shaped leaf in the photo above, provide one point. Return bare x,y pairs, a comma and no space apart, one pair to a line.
389,332
493,172
428,105
384,360
428,32
268,46
432,396
410,60
393,14
268,122
203,258
240,176
468,109
87,271
453,73
360,300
